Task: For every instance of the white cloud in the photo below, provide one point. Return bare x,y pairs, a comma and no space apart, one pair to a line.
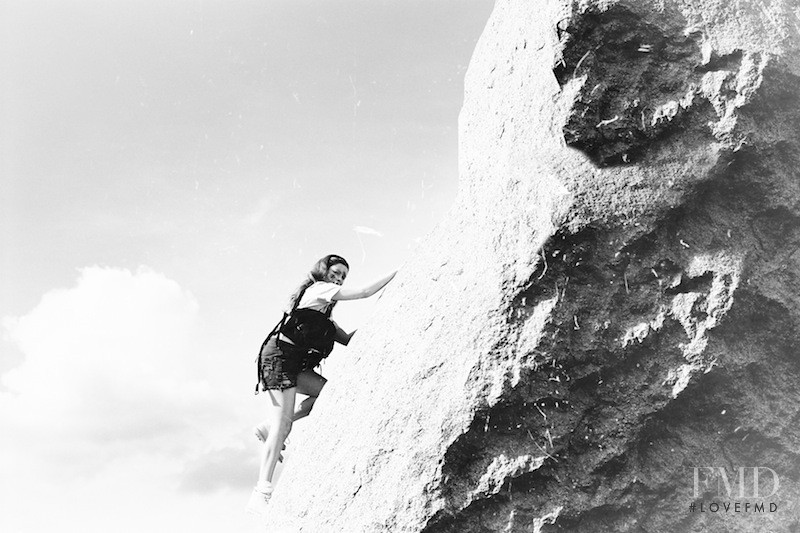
108,372
230,467
364,230
110,414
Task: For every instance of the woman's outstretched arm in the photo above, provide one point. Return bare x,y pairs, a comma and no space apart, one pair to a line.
366,292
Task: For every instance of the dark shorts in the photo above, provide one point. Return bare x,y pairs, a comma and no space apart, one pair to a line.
280,364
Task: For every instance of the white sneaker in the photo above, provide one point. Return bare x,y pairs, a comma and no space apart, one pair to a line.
259,501
261,432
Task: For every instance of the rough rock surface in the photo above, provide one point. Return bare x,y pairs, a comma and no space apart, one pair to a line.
612,301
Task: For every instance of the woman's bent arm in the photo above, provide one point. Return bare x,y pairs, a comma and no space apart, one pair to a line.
342,337
366,292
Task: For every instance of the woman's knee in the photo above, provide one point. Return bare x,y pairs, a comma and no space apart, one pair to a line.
310,383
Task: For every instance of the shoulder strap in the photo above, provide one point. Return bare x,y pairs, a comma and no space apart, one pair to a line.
297,302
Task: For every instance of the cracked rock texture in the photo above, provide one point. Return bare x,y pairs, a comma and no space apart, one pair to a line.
612,301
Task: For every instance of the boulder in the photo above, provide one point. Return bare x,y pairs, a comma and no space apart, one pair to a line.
602,332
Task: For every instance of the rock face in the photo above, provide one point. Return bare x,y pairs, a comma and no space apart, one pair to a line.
608,317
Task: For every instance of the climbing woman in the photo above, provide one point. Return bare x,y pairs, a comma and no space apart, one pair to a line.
291,352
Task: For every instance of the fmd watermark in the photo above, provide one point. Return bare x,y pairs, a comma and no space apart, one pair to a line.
742,490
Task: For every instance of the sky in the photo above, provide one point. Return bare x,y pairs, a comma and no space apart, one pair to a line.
170,170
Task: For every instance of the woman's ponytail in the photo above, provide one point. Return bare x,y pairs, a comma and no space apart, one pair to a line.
294,299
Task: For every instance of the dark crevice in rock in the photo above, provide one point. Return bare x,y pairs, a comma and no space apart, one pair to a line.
730,61
638,83
696,284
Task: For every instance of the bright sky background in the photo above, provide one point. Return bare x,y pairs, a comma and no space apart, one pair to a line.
169,172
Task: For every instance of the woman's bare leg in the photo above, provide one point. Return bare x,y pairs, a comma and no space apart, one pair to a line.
280,417
309,383
261,432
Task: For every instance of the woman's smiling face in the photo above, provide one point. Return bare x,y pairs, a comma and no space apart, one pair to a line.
336,274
